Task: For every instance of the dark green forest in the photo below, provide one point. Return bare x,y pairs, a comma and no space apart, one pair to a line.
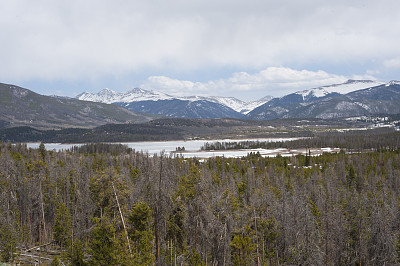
108,205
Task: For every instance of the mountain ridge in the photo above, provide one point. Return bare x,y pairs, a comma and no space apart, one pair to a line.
380,99
139,95
143,101
22,107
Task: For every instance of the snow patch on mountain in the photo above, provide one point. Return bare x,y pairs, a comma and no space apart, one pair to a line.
137,95
363,105
250,106
233,103
344,88
393,82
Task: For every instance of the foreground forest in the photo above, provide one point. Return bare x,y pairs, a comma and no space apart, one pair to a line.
108,205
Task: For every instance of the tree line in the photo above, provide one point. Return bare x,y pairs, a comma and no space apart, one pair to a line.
352,141
106,205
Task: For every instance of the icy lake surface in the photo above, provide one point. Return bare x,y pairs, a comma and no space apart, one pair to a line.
192,148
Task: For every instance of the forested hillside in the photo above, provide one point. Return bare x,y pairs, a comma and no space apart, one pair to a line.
22,107
106,205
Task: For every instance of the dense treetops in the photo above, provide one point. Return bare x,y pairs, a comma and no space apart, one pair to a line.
107,205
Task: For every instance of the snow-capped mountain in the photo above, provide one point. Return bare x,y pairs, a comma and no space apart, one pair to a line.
231,102
132,100
341,100
338,100
134,95
148,101
343,88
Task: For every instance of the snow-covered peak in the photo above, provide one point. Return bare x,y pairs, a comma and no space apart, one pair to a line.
231,102
393,82
343,88
110,96
107,91
250,106
138,94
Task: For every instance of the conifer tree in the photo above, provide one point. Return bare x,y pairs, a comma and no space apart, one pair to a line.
140,231
62,225
103,246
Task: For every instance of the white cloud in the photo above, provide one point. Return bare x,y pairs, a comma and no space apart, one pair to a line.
275,81
87,39
392,63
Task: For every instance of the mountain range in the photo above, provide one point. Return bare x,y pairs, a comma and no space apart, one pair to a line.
148,101
354,97
335,101
22,107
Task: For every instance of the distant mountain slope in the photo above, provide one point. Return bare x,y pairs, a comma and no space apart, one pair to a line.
182,109
354,97
135,95
344,88
146,101
22,107
378,99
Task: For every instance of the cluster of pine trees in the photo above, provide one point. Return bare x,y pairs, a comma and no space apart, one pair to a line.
100,206
352,140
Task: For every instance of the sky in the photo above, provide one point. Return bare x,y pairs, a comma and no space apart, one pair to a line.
247,49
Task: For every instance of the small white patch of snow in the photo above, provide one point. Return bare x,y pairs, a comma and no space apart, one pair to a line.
393,82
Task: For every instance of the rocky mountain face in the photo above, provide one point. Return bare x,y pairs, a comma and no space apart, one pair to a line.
22,107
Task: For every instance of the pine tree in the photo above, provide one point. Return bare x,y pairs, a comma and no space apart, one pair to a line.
42,151
62,226
8,243
76,253
176,232
140,231
103,245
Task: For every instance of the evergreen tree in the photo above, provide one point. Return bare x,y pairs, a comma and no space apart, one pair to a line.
76,253
42,151
103,246
8,243
62,226
140,231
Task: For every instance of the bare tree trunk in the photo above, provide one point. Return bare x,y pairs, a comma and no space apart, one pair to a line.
171,247
43,216
157,216
175,253
255,226
122,219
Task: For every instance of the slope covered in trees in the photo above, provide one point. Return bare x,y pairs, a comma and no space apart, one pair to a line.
179,129
22,107
110,206
375,140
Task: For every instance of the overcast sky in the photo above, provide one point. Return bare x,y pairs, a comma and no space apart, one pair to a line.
242,48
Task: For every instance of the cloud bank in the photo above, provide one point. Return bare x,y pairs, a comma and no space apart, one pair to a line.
76,40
